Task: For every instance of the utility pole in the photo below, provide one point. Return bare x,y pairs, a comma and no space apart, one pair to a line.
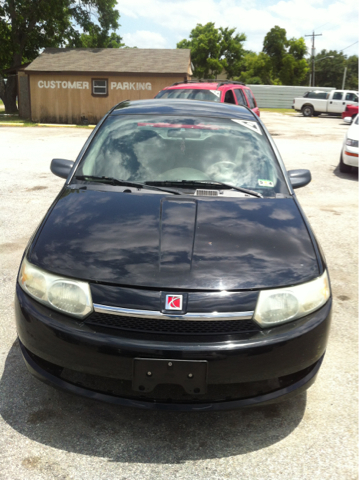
345,74
313,35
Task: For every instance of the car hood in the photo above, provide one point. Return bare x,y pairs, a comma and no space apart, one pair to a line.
175,242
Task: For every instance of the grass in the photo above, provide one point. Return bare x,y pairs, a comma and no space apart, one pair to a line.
10,119
284,111
15,119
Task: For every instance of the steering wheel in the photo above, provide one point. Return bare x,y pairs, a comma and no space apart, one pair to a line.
222,169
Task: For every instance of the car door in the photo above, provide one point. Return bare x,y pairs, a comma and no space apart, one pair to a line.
351,99
251,101
228,97
240,97
336,103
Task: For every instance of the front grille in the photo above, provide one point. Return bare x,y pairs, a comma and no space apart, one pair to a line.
179,327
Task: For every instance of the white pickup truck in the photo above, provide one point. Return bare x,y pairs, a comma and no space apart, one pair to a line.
332,103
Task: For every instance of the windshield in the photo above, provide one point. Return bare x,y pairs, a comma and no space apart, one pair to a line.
192,94
153,148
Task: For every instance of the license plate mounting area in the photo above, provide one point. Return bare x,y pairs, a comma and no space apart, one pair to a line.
190,374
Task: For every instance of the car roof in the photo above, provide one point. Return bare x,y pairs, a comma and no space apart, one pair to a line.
215,85
183,107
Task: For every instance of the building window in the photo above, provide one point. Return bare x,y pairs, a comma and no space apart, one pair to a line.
99,87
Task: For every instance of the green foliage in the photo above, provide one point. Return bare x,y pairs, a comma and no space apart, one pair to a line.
27,26
274,45
97,38
293,71
257,69
231,51
351,82
329,72
214,50
289,66
297,48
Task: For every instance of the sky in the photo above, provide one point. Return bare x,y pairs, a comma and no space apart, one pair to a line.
163,23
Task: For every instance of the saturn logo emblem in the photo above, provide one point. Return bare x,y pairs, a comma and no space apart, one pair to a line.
174,302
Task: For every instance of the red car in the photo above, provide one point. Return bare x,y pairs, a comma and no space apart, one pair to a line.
350,111
221,91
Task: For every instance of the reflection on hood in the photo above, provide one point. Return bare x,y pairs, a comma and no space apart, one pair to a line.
150,240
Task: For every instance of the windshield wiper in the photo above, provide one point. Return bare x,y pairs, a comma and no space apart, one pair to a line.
127,183
239,189
203,183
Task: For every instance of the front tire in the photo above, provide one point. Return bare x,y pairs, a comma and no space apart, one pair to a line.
343,167
307,110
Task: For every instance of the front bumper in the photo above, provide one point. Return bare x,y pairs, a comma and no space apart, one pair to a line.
350,155
242,370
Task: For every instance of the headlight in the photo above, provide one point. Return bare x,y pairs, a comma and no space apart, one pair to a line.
68,296
351,143
286,304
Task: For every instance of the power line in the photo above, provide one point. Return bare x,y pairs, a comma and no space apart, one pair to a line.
322,25
349,46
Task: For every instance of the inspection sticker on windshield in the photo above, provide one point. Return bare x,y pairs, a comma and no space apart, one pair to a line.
265,183
251,125
216,92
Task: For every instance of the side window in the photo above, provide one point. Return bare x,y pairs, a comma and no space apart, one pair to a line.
337,96
252,103
351,97
318,95
99,87
240,97
229,97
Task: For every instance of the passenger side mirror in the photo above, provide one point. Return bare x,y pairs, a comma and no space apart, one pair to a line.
299,178
61,167
347,119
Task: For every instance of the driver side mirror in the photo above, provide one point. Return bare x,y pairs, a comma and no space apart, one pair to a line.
61,167
299,178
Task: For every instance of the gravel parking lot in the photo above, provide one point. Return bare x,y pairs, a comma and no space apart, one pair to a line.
49,434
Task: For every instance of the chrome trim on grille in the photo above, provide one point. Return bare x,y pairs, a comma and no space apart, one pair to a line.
128,312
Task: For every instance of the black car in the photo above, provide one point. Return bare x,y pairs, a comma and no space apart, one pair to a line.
176,268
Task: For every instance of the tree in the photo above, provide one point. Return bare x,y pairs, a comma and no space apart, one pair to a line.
257,69
351,82
329,72
27,26
287,56
293,71
97,38
275,45
231,51
214,50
